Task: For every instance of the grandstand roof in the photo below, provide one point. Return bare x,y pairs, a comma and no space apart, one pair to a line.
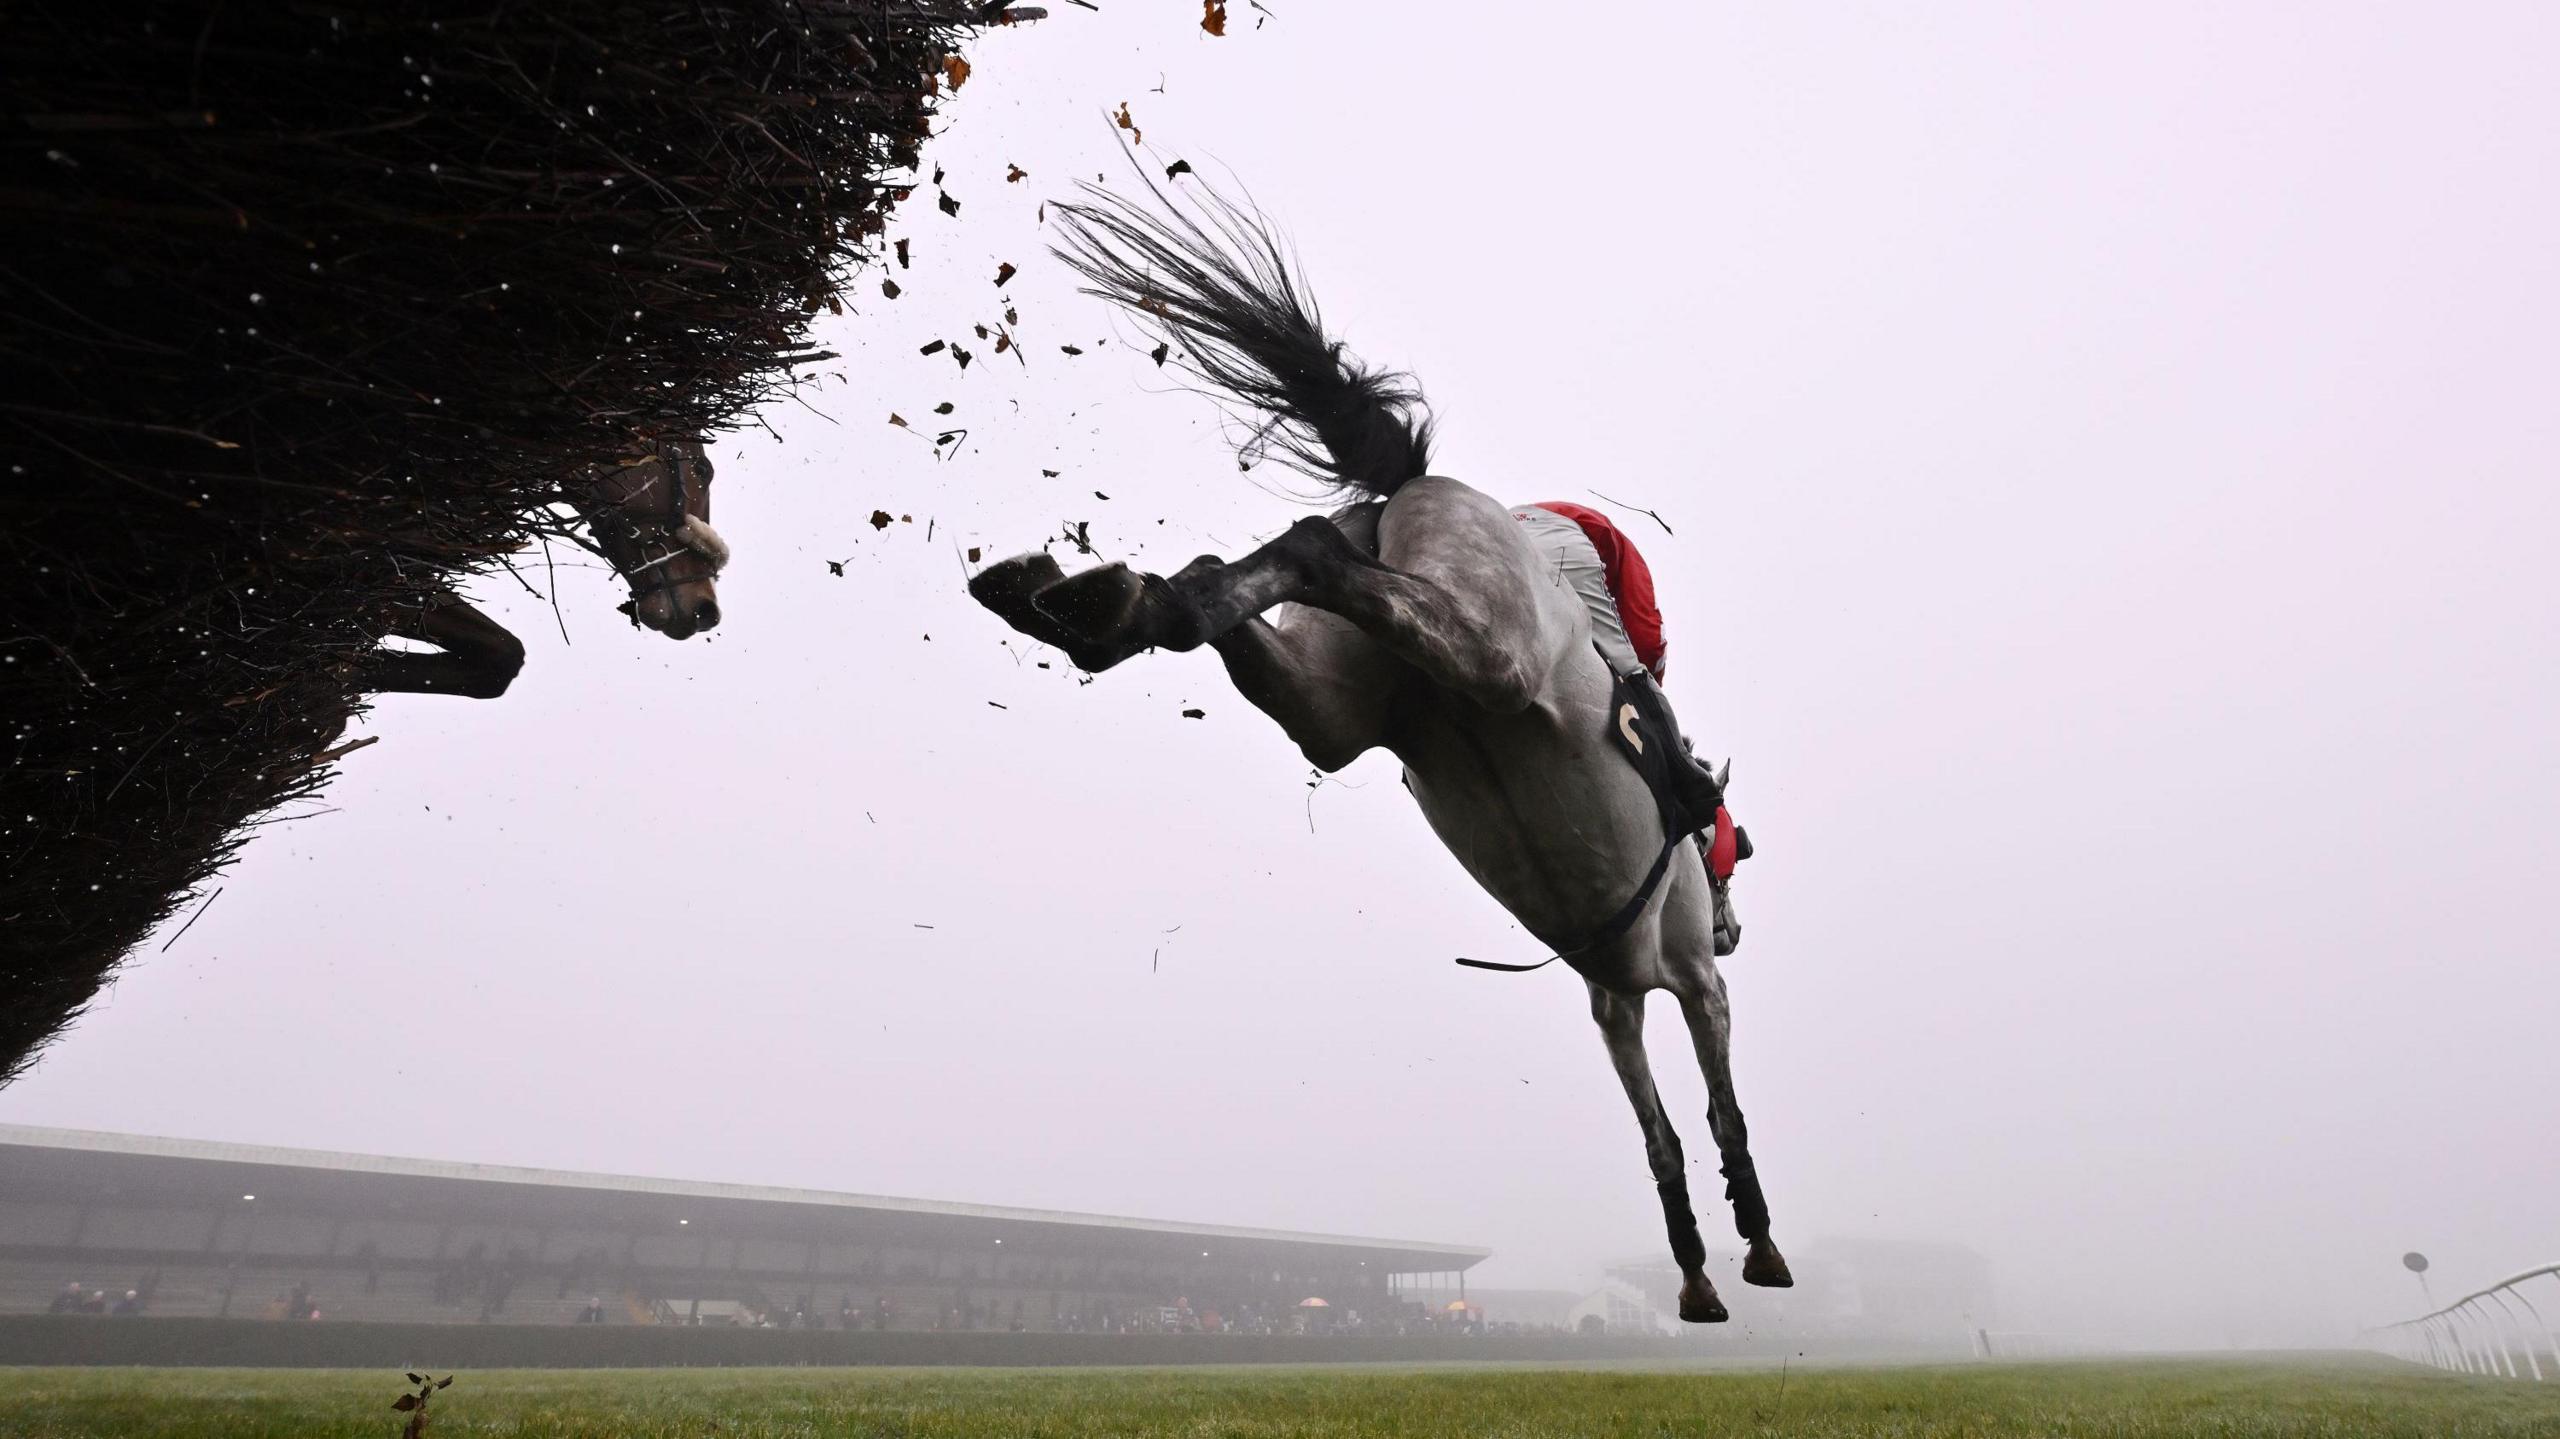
36,1159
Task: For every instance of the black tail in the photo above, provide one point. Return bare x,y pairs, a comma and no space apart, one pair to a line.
1212,272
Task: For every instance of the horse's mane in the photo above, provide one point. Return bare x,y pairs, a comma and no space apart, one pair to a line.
1211,270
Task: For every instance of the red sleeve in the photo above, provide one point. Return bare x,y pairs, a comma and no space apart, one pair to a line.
1630,581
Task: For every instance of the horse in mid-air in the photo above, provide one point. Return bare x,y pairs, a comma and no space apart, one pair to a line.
1475,642
648,515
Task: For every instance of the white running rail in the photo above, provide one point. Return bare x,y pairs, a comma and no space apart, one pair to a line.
2499,1332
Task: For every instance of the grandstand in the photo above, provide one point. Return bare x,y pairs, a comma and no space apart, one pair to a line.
212,1230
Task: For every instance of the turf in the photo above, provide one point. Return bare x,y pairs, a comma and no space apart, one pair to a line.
2332,1396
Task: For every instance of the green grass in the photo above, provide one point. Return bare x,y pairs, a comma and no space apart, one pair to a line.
2316,1396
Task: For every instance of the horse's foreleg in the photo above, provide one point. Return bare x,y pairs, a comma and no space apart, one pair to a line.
481,657
1710,1019
1621,1022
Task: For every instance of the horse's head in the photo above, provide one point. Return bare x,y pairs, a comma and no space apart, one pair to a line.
651,516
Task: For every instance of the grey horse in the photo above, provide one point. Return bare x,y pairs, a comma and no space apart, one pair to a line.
1420,621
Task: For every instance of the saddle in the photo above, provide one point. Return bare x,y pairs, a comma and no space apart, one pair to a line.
1687,795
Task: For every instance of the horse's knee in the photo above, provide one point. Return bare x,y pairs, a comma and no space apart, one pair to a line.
496,666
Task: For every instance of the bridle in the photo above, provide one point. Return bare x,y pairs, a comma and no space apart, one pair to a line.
676,462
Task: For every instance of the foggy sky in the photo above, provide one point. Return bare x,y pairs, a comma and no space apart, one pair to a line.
2110,460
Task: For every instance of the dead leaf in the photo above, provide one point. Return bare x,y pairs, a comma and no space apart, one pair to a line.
943,409
1052,474
1136,135
1004,272
973,554
929,349
949,205
879,519
1213,16
897,419
963,356
955,70
1071,349
889,287
1158,353
981,329
1195,714
836,568
1010,317
1013,174
1099,495
1178,167
902,254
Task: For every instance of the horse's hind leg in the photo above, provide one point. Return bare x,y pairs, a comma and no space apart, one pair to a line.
1621,1022
1453,592
1710,1018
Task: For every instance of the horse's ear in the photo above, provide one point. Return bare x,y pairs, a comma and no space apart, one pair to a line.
1724,776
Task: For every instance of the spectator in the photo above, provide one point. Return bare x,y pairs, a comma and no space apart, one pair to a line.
131,1303
68,1300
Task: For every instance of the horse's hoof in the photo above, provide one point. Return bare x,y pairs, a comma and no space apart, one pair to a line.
1698,1302
1007,588
1765,1266
1096,609
1008,585
1113,612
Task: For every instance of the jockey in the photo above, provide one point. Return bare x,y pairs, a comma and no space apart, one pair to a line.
1601,564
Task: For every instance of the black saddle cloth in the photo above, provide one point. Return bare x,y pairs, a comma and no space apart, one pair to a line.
1685,794
1684,790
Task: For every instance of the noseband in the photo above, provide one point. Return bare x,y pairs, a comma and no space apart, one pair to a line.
676,462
